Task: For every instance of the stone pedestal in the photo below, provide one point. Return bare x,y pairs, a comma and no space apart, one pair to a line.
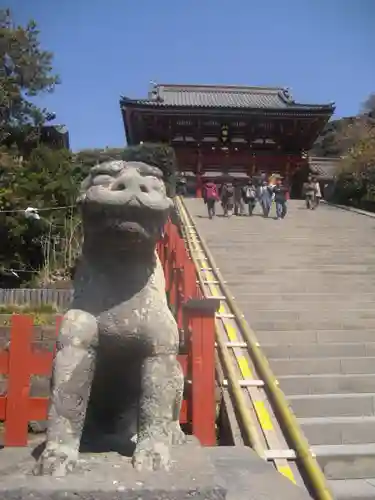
109,476
230,473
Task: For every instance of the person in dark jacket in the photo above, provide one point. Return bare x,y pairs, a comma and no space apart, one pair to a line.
238,199
181,186
227,199
280,192
249,195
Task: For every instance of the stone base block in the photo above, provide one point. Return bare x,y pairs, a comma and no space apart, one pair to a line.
248,477
109,476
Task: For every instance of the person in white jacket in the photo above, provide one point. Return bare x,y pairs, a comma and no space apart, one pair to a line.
318,193
265,197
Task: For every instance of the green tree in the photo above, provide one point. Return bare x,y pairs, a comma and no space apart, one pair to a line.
360,157
44,181
158,155
87,158
30,174
341,135
368,107
26,71
357,177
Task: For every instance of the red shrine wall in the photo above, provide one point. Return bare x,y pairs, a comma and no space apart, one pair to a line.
249,162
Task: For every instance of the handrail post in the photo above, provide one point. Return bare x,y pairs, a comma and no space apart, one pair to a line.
190,281
201,319
180,278
19,379
172,267
165,258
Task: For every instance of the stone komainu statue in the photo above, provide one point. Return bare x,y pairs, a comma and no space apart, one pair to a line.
118,343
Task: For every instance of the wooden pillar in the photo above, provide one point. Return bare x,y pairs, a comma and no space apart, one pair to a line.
253,164
199,188
287,170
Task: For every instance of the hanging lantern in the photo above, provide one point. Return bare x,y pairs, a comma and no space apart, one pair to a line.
224,133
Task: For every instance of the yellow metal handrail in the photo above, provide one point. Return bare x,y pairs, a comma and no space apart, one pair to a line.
249,426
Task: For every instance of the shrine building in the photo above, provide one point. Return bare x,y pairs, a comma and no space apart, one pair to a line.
235,130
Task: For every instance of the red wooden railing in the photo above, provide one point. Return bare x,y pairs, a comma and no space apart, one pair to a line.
195,321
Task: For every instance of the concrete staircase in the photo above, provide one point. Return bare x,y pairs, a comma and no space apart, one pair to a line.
331,389
307,287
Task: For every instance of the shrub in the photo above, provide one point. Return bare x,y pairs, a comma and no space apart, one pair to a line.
157,155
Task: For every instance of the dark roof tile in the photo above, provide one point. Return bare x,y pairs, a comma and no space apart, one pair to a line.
211,96
325,168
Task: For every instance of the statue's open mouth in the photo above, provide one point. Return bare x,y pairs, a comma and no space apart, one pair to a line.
132,227
127,220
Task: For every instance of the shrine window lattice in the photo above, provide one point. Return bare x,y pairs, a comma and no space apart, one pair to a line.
184,123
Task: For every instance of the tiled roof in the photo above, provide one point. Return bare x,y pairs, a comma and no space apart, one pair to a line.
212,96
57,134
326,168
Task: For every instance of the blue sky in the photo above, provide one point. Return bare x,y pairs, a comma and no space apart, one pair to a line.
322,49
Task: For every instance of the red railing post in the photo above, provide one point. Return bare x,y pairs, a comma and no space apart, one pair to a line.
172,262
190,281
164,251
17,405
201,318
181,257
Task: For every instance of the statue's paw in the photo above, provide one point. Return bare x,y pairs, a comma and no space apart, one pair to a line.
55,462
151,454
177,435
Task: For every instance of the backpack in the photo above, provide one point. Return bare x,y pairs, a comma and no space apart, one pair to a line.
229,191
249,192
211,192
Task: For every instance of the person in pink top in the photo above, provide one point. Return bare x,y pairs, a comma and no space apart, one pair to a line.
210,196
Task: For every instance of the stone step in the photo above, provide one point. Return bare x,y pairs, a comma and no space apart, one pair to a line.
327,260
246,476
333,405
303,306
299,284
314,298
313,274
353,489
302,325
327,384
332,315
327,350
314,335
311,277
338,430
293,264
292,288
316,366
346,461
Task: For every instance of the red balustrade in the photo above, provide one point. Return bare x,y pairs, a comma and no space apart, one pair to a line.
196,322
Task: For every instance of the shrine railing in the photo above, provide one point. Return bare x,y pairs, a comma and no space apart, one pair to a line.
195,317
